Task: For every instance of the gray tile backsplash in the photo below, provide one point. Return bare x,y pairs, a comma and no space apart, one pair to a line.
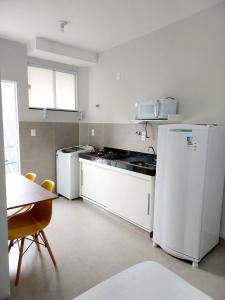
37,154
83,133
66,135
121,136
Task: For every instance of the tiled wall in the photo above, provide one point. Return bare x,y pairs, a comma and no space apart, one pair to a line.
38,153
122,136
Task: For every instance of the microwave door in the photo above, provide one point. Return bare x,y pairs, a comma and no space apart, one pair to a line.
146,111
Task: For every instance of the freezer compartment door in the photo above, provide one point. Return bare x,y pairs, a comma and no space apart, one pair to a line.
179,189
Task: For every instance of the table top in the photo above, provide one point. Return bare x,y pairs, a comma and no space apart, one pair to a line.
21,191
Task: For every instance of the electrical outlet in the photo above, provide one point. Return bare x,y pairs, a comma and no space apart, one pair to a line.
92,132
33,132
143,136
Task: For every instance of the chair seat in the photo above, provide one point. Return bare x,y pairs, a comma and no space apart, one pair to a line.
24,225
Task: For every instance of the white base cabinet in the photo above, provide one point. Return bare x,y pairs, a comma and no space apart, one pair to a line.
94,183
125,193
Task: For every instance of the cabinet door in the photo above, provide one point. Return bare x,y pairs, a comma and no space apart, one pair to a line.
94,183
130,197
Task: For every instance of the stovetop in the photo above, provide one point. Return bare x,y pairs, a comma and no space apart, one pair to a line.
130,160
110,153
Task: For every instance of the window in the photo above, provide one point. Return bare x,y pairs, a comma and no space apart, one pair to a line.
52,89
10,126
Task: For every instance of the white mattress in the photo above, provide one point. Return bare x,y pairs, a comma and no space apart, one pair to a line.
144,281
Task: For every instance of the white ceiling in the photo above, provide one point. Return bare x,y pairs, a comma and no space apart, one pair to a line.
94,24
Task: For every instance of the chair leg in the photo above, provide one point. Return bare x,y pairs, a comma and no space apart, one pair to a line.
19,262
35,237
10,245
48,247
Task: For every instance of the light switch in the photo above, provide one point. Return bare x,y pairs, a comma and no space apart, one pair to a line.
92,132
33,132
143,136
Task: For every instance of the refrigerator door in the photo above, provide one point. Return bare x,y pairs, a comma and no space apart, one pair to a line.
180,173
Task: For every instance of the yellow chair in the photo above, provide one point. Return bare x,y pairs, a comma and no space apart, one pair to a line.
31,223
14,211
31,176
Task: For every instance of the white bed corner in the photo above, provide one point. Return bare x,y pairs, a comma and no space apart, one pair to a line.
145,281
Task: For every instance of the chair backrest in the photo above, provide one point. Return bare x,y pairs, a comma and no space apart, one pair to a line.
43,210
48,185
31,176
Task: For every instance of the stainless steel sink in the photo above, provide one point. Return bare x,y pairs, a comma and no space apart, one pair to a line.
143,164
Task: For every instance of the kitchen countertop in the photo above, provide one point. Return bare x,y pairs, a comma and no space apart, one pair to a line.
138,162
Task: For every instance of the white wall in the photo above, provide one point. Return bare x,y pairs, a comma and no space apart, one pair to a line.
13,65
4,268
185,60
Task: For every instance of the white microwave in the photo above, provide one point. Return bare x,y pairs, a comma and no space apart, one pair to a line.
156,109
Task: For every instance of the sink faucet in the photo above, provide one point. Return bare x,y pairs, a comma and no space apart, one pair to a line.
153,150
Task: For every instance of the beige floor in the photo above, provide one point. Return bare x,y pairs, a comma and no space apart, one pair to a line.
91,245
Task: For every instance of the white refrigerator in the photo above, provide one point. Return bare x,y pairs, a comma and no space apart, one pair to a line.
189,189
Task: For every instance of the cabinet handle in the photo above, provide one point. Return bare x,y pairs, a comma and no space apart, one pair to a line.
81,181
148,208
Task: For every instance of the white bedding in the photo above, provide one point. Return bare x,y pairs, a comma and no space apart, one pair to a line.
145,281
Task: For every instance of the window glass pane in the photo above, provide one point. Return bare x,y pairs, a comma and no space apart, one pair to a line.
41,87
65,90
10,126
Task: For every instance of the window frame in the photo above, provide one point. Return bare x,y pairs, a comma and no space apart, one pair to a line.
55,69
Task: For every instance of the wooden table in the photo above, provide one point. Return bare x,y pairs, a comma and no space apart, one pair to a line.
21,191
